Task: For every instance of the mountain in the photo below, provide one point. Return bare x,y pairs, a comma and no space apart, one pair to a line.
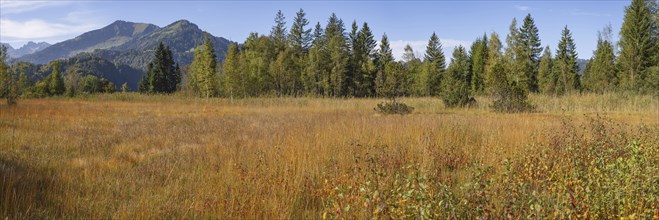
133,44
29,48
581,63
121,51
182,37
109,36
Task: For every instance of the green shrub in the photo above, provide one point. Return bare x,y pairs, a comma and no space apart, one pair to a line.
393,107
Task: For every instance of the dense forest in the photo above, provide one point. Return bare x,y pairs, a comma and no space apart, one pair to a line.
333,61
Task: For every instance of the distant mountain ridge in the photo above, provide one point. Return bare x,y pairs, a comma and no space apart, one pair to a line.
132,43
129,47
29,48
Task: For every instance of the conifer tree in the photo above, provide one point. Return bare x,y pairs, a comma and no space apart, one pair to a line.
161,75
638,48
531,49
434,66
546,77
385,56
315,72
278,32
565,65
367,69
300,37
455,86
56,84
478,62
601,74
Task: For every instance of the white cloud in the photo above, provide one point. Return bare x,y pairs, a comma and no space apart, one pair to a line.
40,29
522,8
419,47
19,6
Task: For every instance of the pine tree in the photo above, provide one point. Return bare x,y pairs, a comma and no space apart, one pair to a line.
601,74
455,86
565,65
56,84
546,79
367,69
531,49
338,57
434,67
161,75
204,70
278,32
315,71
478,62
300,37
638,48
385,56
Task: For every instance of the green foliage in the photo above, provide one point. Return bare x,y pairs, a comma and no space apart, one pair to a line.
566,71
494,47
601,74
546,80
124,88
478,56
529,58
595,171
393,106
203,74
56,81
163,75
9,86
509,96
455,86
638,48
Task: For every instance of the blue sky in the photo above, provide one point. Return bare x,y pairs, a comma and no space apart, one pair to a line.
405,22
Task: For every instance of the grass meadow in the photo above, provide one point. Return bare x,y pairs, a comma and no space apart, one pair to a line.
131,156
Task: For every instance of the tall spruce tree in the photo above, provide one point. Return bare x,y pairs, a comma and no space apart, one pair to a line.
546,77
531,49
513,54
565,65
315,78
601,74
367,69
204,71
300,37
161,75
638,48
478,62
434,66
385,56
455,86
278,31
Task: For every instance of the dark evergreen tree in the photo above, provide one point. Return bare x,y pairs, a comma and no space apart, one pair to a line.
278,32
546,79
385,56
478,61
434,66
300,37
638,48
455,86
161,76
565,65
600,74
529,40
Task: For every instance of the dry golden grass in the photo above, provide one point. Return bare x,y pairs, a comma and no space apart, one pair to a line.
128,156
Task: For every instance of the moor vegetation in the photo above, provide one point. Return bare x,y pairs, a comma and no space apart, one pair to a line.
284,127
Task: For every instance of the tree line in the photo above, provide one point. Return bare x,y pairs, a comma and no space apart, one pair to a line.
335,62
331,61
